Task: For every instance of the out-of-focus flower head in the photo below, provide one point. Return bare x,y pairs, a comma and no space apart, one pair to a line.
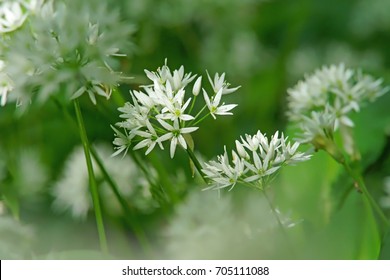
66,47
71,191
328,96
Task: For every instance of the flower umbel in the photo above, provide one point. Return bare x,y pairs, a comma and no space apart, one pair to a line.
163,110
329,96
255,163
49,56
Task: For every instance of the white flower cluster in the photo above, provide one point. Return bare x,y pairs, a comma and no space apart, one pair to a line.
14,13
328,96
71,190
257,158
162,111
66,59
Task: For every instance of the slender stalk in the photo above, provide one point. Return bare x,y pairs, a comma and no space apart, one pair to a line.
197,164
192,104
139,233
362,186
280,224
92,179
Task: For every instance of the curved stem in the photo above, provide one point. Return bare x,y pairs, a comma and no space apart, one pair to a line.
362,186
197,164
133,222
92,179
280,224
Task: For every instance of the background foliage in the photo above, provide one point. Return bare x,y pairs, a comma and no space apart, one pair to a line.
264,46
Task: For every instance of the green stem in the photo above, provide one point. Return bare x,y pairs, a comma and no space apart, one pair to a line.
197,115
192,104
280,224
133,222
197,164
362,186
92,179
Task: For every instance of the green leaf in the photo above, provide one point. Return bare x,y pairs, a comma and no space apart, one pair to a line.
385,249
12,201
352,233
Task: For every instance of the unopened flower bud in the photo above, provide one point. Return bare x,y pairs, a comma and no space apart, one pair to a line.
197,85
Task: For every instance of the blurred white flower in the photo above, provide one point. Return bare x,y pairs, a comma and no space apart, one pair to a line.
5,84
92,88
249,228
12,15
196,232
162,111
32,174
16,239
71,191
332,92
256,161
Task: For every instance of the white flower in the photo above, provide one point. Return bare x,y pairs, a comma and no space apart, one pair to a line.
162,109
336,89
122,141
219,83
71,191
197,86
6,86
177,79
214,107
174,109
320,125
175,134
150,140
255,163
222,173
12,16
92,88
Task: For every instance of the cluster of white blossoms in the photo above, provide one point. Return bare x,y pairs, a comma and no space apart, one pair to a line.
12,16
71,190
14,13
254,162
164,111
327,97
72,60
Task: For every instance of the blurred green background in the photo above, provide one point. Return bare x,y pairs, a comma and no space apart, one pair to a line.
264,46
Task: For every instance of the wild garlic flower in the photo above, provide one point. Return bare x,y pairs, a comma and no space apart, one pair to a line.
71,191
255,162
164,110
12,15
69,48
328,96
